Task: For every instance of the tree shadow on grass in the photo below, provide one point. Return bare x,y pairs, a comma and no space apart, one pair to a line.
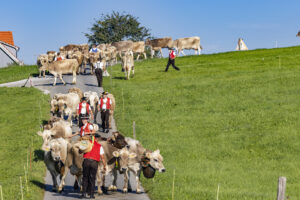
38,155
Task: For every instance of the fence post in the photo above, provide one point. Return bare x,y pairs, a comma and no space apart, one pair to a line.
133,126
281,188
1,192
21,188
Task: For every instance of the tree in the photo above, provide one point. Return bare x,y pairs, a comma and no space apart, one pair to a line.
117,27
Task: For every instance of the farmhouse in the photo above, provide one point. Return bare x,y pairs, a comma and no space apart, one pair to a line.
8,50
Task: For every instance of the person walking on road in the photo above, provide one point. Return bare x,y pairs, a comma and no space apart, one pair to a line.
83,110
99,71
104,107
90,167
94,49
86,128
171,61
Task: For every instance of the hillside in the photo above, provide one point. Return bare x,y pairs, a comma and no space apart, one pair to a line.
230,119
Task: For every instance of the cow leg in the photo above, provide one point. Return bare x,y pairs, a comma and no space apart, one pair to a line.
145,56
137,58
113,186
125,187
138,183
62,182
60,77
132,71
74,77
199,50
54,180
152,53
44,73
161,54
55,77
128,73
100,180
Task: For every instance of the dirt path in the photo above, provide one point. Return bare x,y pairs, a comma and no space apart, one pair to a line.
85,83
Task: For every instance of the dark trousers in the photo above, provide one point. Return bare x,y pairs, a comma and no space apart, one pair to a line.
80,123
105,119
171,62
98,73
89,176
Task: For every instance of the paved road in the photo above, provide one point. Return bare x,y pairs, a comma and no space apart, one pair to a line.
85,83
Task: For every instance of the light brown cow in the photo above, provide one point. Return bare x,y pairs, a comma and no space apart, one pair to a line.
139,48
51,56
94,57
78,56
128,64
158,44
43,58
187,43
123,46
77,91
58,68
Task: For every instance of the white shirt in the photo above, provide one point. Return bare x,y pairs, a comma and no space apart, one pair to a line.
83,108
98,65
95,50
104,103
62,58
101,151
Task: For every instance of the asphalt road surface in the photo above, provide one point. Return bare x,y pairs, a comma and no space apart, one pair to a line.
85,83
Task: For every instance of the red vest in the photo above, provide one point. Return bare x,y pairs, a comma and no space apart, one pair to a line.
87,108
59,58
85,130
172,54
94,154
107,103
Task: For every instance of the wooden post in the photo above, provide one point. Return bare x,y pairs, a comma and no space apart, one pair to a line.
218,191
133,126
21,188
281,188
173,188
1,192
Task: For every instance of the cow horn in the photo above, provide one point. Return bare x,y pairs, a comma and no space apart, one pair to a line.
148,155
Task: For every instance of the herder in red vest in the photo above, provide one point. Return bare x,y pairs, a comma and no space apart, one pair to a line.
90,166
59,57
83,110
86,128
104,107
171,60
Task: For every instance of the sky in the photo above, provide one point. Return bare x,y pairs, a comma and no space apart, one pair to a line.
42,25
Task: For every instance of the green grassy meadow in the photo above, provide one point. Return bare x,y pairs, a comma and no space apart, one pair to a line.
22,111
15,73
229,119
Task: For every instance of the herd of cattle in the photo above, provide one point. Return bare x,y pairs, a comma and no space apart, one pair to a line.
63,154
78,56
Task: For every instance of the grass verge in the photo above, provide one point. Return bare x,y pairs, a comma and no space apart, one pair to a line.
15,73
22,110
229,119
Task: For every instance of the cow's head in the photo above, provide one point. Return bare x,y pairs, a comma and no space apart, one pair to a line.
124,157
117,140
55,149
62,105
47,136
155,160
54,106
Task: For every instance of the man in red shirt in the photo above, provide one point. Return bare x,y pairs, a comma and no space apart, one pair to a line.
171,61
86,128
90,166
104,107
83,110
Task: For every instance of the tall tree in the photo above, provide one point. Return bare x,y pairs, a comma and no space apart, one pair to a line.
117,27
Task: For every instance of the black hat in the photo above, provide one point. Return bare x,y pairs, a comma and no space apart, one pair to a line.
105,93
83,99
97,135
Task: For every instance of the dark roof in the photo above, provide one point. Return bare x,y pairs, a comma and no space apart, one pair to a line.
7,37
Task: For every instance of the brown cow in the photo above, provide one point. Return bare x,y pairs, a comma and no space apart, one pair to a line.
139,47
94,57
187,43
123,46
128,64
43,58
158,44
58,68
51,56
